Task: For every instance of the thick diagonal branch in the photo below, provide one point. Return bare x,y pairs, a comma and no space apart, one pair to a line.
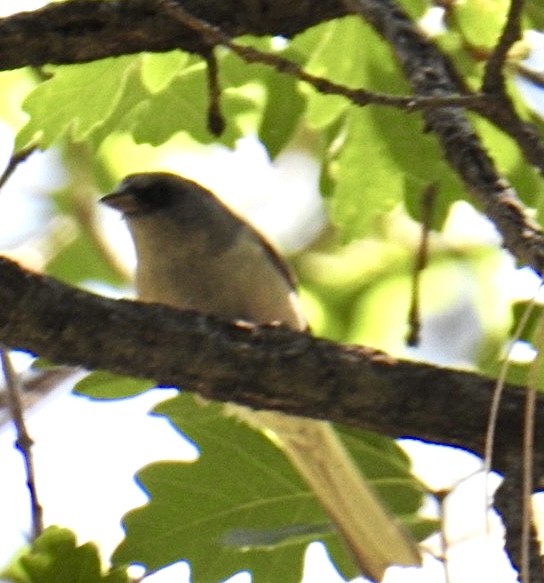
263,367
85,30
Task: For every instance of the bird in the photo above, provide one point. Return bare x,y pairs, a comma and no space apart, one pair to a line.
194,253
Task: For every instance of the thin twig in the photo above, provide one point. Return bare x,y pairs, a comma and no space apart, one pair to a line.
440,497
16,159
528,454
493,76
23,441
216,120
500,387
213,35
414,320
536,77
35,388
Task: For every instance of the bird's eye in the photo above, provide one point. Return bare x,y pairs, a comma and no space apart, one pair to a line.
154,196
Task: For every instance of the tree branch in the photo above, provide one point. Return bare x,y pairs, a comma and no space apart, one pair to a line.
85,30
500,110
259,366
213,36
494,74
23,442
430,73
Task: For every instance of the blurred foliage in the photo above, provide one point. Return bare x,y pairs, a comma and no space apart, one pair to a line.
356,278
55,557
249,501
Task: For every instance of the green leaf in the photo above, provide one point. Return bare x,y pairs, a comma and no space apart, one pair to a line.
183,106
534,11
281,115
491,361
374,170
239,489
367,180
278,101
238,502
336,51
415,8
77,100
379,156
480,21
517,373
14,88
421,527
159,69
55,557
76,257
454,45
122,116
511,162
79,261
535,312
107,385
387,466
44,364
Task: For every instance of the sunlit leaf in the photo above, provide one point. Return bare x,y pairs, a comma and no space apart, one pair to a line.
281,115
76,100
481,21
55,556
242,499
106,385
159,69
183,106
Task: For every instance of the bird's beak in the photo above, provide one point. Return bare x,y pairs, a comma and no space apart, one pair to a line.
122,200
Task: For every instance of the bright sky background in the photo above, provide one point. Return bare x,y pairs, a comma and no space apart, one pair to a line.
85,461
